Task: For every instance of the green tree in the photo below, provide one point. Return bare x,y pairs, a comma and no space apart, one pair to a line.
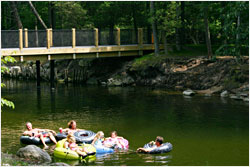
5,60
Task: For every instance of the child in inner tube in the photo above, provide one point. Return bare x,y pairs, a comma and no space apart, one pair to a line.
99,139
115,142
70,143
154,144
40,133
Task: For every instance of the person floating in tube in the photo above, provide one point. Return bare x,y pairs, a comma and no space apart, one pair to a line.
40,133
71,128
71,144
115,141
157,143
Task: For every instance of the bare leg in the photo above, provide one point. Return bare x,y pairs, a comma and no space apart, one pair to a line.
52,138
42,139
80,152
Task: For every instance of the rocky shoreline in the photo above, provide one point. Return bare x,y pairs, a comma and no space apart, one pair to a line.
225,76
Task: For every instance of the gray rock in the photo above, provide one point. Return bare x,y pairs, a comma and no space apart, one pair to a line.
224,93
58,164
34,152
188,92
235,97
246,99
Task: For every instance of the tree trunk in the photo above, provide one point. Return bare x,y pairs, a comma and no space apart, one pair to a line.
177,35
223,6
111,35
183,37
135,21
16,14
37,15
238,33
165,43
156,44
51,14
207,33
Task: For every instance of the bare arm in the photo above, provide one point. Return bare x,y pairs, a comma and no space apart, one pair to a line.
144,150
93,142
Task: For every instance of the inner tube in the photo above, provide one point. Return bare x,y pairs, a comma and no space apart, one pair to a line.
61,152
164,148
111,141
84,136
33,140
60,136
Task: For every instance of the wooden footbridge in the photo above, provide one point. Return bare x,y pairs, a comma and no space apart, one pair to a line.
42,45
51,52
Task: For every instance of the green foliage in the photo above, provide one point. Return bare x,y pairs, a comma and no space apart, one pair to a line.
231,36
5,60
168,18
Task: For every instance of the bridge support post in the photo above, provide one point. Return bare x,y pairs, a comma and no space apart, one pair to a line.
20,39
52,73
73,37
48,39
51,37
26,37
118,36
140,36
38,73
96,37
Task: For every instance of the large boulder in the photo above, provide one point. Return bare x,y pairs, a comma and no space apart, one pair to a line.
35,153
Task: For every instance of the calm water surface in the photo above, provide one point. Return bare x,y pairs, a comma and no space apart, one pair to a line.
203,130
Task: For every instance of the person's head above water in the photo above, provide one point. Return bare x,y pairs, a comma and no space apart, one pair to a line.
29,126
100,135
72,124
71,138
159,140
113,134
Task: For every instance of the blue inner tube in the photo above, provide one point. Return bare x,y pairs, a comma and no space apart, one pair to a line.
83,136
33,140
102,149
164,148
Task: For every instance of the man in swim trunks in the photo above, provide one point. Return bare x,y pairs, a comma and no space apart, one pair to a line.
157,143
71,128
40,133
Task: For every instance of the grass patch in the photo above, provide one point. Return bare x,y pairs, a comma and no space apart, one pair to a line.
190,51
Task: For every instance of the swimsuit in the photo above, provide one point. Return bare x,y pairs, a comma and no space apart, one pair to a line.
73,146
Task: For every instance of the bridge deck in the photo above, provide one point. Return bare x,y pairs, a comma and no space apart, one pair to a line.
68,52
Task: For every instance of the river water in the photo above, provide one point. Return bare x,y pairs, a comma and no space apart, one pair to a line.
203,130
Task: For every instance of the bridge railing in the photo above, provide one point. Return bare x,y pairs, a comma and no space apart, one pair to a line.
75,38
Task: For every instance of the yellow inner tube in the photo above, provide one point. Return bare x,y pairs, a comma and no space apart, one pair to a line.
61,152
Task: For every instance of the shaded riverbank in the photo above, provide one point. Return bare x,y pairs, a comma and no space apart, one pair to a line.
176,73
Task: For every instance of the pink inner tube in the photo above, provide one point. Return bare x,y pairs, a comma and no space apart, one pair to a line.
111,141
